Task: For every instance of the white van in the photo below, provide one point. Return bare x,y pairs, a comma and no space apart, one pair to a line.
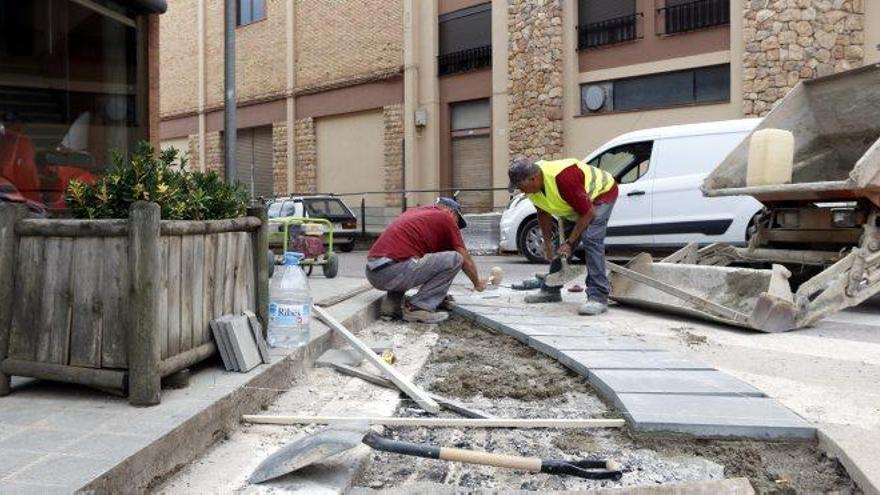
659,172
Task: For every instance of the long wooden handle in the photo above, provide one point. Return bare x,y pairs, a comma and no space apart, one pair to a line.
379,442
436,422
485,458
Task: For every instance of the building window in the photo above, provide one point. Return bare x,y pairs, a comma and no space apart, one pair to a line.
605,22
669,89
468,115
465,39
679,16
70,92
250,11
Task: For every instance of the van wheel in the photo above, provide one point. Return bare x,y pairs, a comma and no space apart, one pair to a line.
347,247
530,241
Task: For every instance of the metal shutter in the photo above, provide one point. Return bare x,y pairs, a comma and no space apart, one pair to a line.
263,173
254,160
472,168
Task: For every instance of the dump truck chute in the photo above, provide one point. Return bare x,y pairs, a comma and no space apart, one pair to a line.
815,249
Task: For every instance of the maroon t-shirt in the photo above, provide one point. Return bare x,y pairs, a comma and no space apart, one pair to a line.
418,232
570,183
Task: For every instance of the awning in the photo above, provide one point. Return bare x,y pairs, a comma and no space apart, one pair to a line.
149,6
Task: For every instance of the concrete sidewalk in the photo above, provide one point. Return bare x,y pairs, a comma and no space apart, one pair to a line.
61,438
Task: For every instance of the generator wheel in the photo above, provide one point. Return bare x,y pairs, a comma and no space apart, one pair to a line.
270,260
331,267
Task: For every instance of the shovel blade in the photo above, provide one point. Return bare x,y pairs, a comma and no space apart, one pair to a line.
306,451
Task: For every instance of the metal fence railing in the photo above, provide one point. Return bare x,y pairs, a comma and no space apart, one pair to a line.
610,31
464,60
403,193
691,16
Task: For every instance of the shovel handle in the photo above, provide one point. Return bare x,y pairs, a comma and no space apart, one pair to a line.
451,454
590,469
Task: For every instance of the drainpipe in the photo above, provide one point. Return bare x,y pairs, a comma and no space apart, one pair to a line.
229,126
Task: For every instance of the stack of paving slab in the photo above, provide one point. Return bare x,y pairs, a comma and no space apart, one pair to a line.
657,390
240,342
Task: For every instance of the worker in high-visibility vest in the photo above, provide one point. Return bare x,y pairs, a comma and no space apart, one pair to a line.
575,192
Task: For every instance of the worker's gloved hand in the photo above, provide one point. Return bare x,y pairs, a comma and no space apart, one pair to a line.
480,286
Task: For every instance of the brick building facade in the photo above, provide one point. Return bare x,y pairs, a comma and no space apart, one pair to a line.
442,93
296,71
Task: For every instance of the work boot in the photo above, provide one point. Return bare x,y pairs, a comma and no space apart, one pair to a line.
418,315
592,308
392,305
546,295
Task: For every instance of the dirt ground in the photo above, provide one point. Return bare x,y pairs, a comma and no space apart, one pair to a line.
499,375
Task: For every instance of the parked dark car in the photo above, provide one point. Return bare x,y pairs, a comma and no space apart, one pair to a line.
320,206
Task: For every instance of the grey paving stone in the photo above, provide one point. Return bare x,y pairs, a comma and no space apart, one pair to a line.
107,446
77,419
12,461
9,430
40,440
524,332
9,488
714,416
63,470
553,345
24,413
697,382
585,361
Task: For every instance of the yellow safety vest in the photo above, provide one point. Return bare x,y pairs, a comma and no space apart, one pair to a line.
596,183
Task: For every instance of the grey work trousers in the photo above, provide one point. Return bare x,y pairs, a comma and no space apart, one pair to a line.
432,274
593,242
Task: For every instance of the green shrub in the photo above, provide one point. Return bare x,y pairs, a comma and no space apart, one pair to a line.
163,179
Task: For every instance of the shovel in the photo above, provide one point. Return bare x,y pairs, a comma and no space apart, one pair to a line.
314,448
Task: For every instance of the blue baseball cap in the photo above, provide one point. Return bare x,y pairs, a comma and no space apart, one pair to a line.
454,206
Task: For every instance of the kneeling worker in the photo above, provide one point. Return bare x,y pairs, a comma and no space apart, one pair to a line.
575,192
422,248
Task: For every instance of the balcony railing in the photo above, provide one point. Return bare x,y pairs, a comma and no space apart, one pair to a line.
691,16
465,60
609,31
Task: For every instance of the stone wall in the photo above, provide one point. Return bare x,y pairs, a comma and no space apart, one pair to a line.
306,168
787,41
214,154
536,74
193,149
279,158
393,117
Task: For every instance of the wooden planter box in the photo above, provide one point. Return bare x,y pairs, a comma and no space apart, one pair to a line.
118,304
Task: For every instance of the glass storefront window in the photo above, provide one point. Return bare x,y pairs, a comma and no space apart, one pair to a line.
68,92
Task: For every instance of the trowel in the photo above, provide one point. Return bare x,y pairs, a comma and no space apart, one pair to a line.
561,271
330,441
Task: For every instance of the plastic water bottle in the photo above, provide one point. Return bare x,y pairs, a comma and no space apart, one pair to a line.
290,304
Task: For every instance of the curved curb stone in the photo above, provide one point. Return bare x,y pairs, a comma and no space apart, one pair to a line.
657,390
